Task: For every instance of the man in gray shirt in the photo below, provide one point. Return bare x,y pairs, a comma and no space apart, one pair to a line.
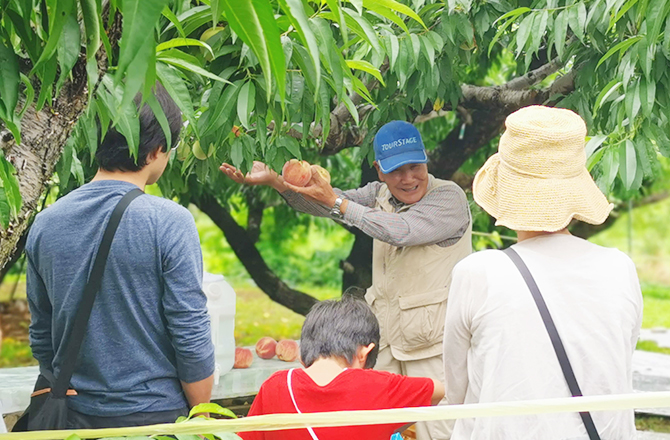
421,228
147,354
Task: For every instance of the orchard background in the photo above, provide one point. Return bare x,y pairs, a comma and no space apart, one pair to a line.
275,79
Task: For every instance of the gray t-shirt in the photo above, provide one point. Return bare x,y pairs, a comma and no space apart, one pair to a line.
149,327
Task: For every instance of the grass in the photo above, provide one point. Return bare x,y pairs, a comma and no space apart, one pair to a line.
257,315
15,354
652,423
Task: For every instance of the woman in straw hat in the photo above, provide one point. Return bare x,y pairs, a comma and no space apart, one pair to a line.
497,346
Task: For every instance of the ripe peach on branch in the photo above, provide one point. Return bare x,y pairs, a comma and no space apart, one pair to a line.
297,172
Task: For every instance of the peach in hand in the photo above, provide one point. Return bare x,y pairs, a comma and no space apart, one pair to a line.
287,350
325,175
243,358
265,347
297,172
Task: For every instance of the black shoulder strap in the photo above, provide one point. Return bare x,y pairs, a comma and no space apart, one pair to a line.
92,286
555,339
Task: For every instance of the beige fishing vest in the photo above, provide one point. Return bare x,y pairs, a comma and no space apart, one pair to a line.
410,286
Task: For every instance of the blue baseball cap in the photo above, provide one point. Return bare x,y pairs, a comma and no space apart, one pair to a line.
396,144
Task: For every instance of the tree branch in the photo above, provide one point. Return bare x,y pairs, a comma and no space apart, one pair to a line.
253,261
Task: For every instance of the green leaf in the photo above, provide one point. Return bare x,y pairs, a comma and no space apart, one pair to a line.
4,209
275,48
629,4
253,21
211,408
500,32
539,28
296,12
135,77
428,49
89,9
160,117
178,62
577,19
68,49
627,163
291,145
237,152
610,88
363,28
622,46
348,103
389,14
180,42
366,67
245,103
30,95
656,13
394,6
177,89
330,52
167,13
139,19
335,8
57,20
560,31
218,7
666,38
647,96
9,79
523,33
222,111
48,76
11,186
512,14
593,144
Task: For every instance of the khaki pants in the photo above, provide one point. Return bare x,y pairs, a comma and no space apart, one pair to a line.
431,367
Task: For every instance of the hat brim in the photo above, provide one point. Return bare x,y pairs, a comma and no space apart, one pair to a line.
391,163
527,203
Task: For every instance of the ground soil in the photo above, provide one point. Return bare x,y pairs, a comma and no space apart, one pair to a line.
14,320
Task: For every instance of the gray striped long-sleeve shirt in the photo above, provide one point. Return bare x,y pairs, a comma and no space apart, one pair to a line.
441,217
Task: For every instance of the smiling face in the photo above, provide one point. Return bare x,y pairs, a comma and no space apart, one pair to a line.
408,183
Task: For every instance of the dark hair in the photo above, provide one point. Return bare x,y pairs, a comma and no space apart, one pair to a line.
113,153
337,328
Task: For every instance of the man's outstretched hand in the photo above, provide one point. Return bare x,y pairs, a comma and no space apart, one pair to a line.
260,174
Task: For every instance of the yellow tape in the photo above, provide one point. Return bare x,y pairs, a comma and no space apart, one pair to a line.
274,422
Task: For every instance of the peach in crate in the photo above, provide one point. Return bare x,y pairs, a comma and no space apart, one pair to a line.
297,172
287,350
265,347
243,358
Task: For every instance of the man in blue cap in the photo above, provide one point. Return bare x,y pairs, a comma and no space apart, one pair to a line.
421,227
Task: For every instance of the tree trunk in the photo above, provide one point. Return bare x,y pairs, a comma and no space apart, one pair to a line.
246,252
16,256
357,267
43,135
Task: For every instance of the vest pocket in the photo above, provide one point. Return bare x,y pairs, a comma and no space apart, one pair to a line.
422,319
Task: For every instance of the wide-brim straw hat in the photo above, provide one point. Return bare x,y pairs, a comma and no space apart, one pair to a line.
538,180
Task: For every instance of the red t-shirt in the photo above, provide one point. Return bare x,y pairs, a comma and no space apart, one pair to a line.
353,389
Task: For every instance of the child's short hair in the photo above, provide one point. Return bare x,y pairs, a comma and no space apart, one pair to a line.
337,328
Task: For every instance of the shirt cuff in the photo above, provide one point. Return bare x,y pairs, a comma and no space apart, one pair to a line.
354,213
190,371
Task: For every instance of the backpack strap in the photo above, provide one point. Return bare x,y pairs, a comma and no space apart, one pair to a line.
563,360
295,405
78,331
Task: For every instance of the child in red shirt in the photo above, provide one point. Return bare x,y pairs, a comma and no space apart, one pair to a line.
338,347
